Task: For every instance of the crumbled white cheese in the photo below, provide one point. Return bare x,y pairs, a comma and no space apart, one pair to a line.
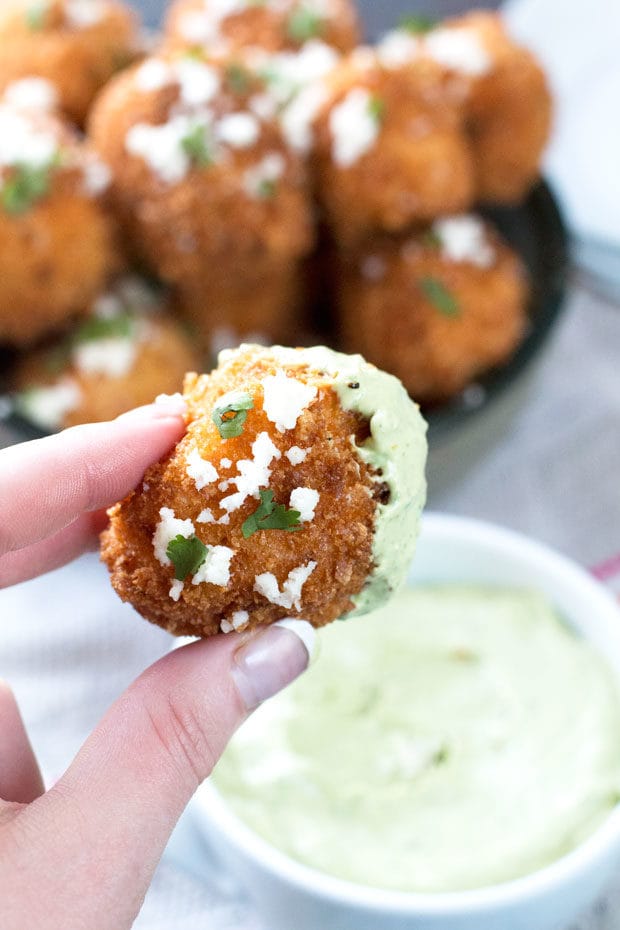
239,130
32,94
167,400
204,26
161,147
297,118
353,126
373,268
253,473
398,48
205,516
290,595
199,82
263,105
48,406
153,74
176,589
460,49
216,567
80,14
97,177
225,463
238,620
21,143
285,399
113,357
305,501
464,239
168,529
267,172
200,470
288,72
107,306
295,455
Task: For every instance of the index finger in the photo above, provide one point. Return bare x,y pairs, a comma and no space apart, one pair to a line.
47,483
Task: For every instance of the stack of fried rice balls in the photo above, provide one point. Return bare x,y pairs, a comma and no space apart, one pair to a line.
255,174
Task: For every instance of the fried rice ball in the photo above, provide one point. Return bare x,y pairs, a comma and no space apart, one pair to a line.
390,147
57,245
504,94
295,492
77,45
230,25
437,308
201,176
126,352
244,301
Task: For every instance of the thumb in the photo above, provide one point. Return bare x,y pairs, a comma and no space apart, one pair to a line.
109,818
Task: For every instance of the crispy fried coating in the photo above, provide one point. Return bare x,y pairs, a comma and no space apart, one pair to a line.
119,363
77,53
269,25
433,321
390,149
225,190
338,538
509,114
244,301
52,222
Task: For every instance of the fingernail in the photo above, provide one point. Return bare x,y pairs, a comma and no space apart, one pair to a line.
272,660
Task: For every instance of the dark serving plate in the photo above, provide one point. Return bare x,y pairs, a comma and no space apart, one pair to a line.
535,229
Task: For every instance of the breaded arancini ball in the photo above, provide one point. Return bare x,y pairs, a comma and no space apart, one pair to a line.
390,149
200,177
437,307
56,240
244,301
77,45
504,94
296,492
125,353
230,25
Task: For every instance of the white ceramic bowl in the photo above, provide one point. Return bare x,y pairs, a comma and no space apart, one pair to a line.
291,896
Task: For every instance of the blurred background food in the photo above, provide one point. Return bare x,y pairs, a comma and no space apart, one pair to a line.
277,179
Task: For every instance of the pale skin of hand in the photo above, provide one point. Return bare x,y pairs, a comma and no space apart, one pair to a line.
81,855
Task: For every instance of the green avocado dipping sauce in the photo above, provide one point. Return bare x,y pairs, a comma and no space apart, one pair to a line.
458,738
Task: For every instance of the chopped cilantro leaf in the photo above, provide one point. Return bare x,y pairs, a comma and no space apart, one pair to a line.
267,189
417,23
195,145
271,516
304,24
431,239
36,15
238,78
25,186
231,417
439,295
376,108
187,555
119,326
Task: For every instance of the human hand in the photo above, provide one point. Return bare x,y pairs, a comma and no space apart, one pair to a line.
81,855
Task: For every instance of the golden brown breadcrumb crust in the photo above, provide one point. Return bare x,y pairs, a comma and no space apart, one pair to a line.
77,61
264,26
386,314
181,230
162,359
420,164
338,539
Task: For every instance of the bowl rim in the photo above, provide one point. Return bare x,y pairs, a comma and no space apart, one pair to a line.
210,806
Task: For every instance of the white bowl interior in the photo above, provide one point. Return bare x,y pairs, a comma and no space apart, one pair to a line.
454,550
